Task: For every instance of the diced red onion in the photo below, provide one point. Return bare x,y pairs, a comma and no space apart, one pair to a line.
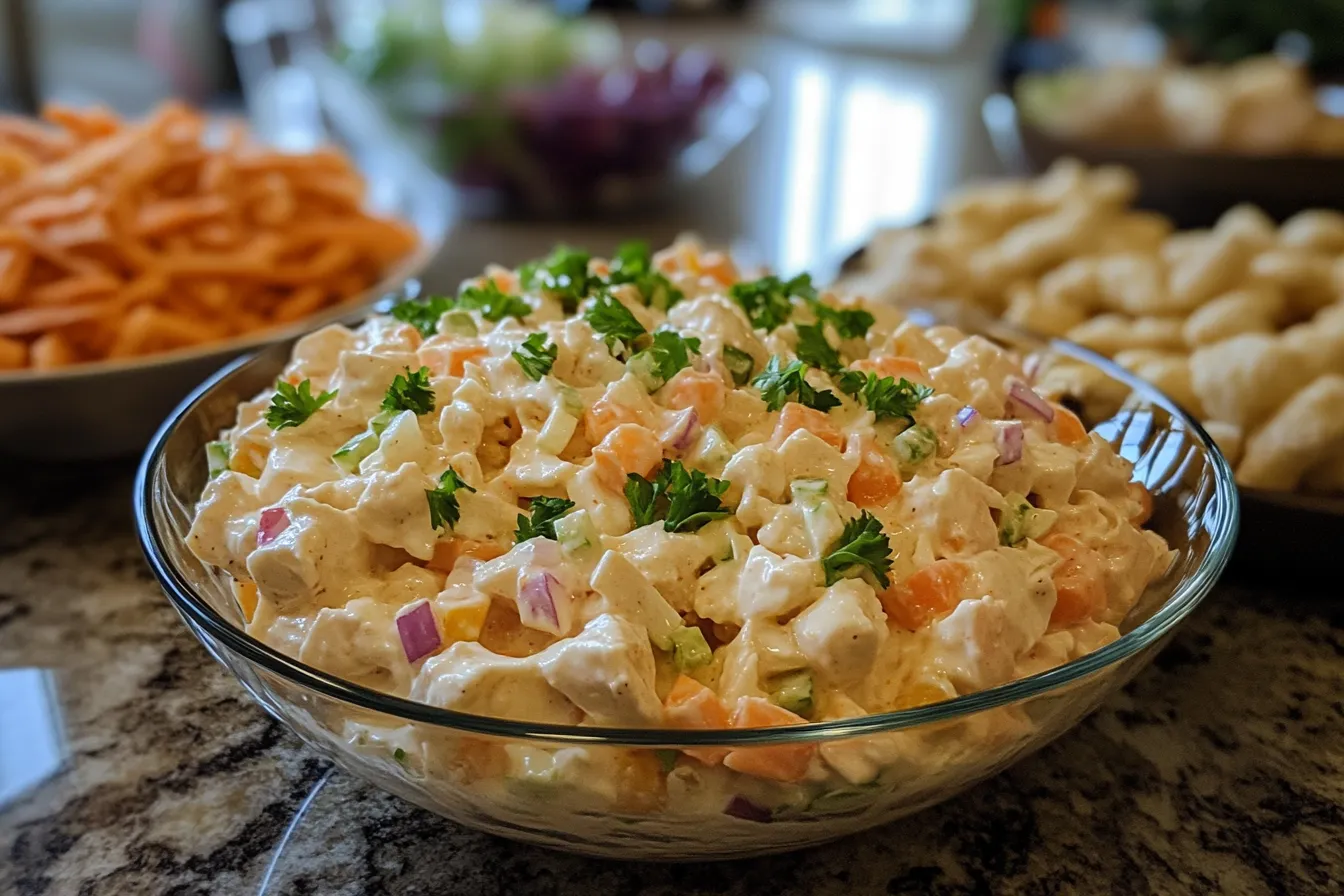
419,632
747,810
544,552
273,521
967,415
1022,398
543,603
1009,441
683,431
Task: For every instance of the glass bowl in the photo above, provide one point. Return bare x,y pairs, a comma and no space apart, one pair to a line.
635,796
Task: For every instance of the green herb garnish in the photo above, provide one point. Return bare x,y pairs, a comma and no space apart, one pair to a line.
670,352
292,406
861,547
423,314
443,509
535,356
563,275
814,349
493,303
633,263
740,364
777,383
410,392
766,300
684,499
890,399
850,323
539,522
615,322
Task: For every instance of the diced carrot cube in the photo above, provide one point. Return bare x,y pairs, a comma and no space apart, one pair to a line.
1068,429
640,783
927,594
920,693
246,592
629,448
463,621
705,392
795,416
1080,593
718,266
692,705
783,763
448,551
895,367
459,356
875,481
604,415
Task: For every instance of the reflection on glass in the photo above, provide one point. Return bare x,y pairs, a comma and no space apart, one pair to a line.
32,742
811,97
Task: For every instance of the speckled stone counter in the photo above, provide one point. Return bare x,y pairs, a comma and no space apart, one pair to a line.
1218,770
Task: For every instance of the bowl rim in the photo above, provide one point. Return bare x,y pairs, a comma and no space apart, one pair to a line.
1184,598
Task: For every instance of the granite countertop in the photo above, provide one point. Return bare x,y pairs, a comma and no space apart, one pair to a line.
1219,769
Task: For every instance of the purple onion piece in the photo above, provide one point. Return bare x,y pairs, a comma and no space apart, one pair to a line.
1021,399
966,416
683,432
539,599
741,807
272,522
419,632
1009,441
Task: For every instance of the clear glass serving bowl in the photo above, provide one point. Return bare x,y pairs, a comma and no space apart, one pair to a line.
629,805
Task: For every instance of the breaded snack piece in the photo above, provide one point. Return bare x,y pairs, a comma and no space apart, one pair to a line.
1306,431
1243,379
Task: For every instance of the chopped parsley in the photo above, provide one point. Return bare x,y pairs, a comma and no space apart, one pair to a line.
850,323
890,399
633,263
684,499
423,314
814,349
291,406
493,303
766,300
535,356
861,548
410,392
615,322
778,383
670,352
443,509
563,275
541,521
850,382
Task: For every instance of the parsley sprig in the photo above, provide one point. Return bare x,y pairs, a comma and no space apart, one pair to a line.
683,499
887,397
493,303
423,314
443,509
850,323
536,356
861,548
563,275
669,352
813,348
779,382
539,522
410,392
291,406
767,300
617,325
633,263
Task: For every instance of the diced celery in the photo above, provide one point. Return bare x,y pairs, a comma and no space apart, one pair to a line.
570,399
381,420
349,456
795,693
712,451
576,533
557,430
915,445
1019,520
216,458
808,493
739,364
644,368
458,323
690,650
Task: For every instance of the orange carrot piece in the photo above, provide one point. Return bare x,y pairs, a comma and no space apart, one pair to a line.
692,705
604,415
448,552
1068,429
875,481
895,367
629,448
705,392
927,594
1139,493
795,416
784,763
1080,593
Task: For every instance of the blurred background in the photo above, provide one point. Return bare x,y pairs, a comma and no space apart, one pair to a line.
789,129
